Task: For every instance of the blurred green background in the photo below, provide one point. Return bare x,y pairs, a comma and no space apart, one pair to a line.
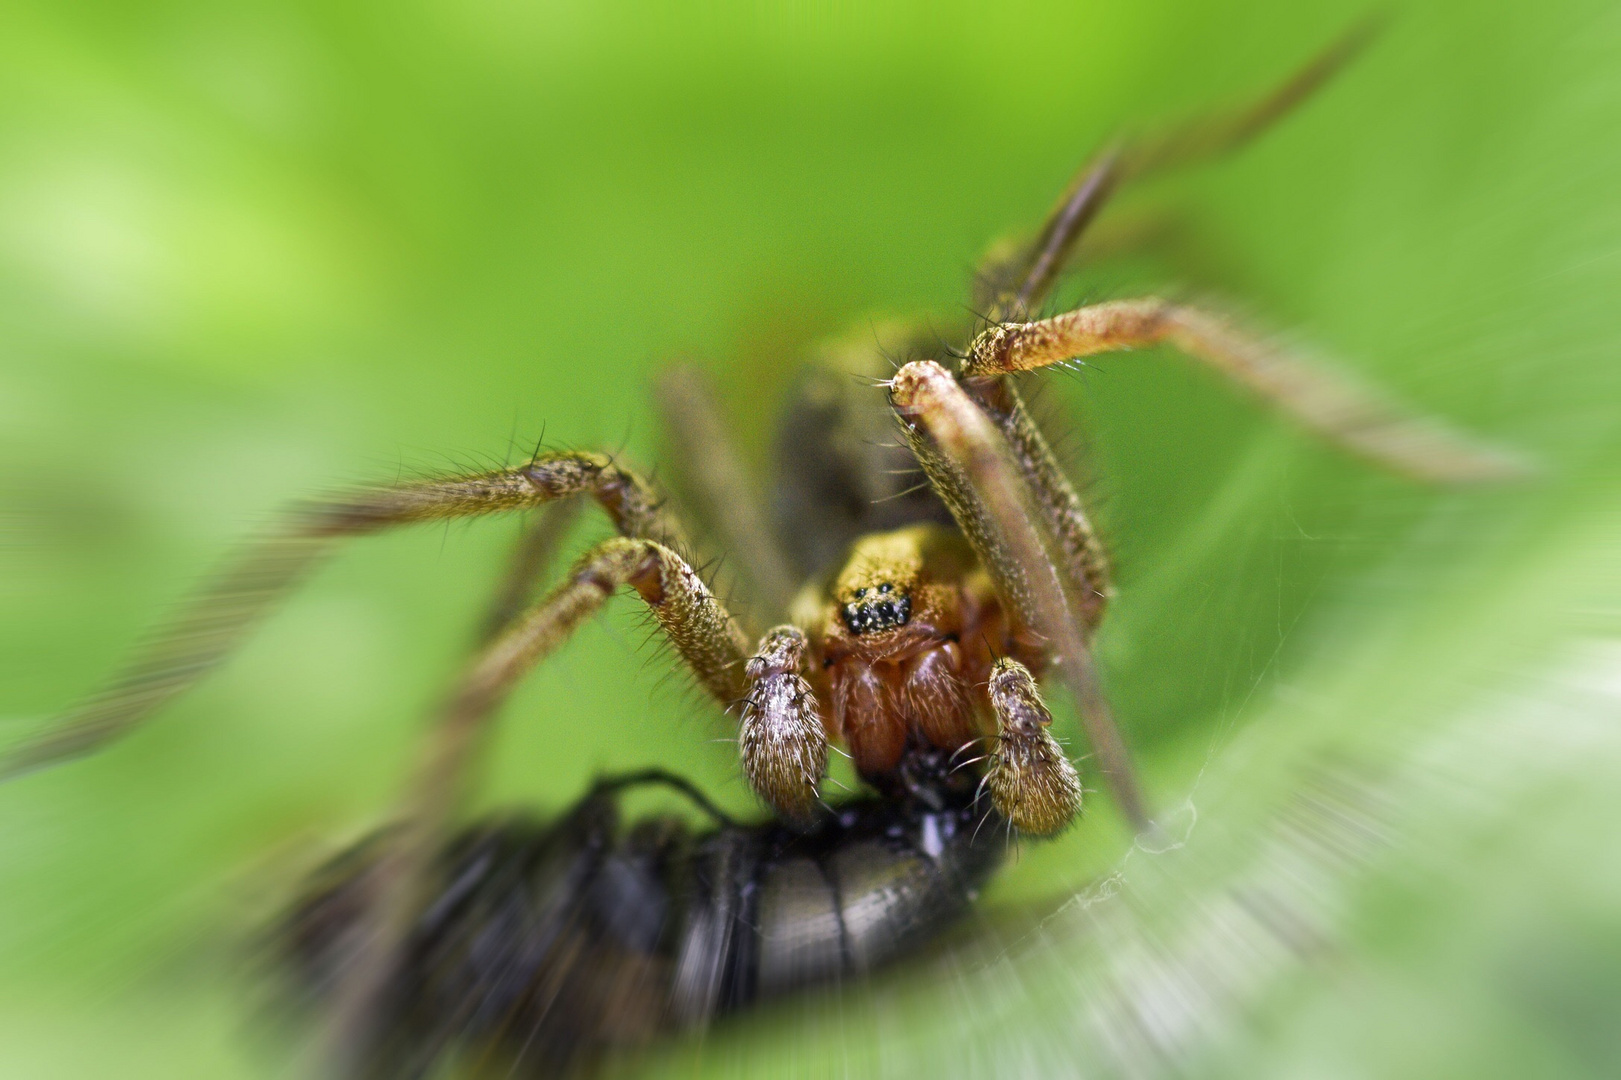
252,250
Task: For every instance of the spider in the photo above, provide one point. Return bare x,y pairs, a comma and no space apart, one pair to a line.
913,624
946,607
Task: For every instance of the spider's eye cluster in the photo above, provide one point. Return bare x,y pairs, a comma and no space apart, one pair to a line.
877,609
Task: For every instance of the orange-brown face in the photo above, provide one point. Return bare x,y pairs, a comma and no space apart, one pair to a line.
906,633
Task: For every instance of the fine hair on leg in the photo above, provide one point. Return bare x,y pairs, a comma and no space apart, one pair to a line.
968,463
1017,285
782,738
542,535
702,632
214,622
725,501
1332,404
1031,782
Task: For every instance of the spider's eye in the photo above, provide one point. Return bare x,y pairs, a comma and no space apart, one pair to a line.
864,616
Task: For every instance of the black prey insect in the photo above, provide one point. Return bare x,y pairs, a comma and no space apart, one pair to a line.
552,942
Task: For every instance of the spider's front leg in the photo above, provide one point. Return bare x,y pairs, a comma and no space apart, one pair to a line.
784,745
693,620
216,620
1332,404
970,466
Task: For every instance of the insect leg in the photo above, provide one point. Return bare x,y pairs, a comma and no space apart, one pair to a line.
969,465
219,616
614,783
719,485
1332,404
1031,782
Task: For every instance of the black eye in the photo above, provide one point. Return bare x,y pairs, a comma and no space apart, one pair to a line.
860,593
873,615
885,587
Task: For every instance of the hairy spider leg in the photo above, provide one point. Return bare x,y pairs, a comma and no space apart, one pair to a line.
701,630
217,618
969,464
726,503
1333,405
784,742
1020,284
1017,285
1337,407
543,534
1080,552
1330,403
